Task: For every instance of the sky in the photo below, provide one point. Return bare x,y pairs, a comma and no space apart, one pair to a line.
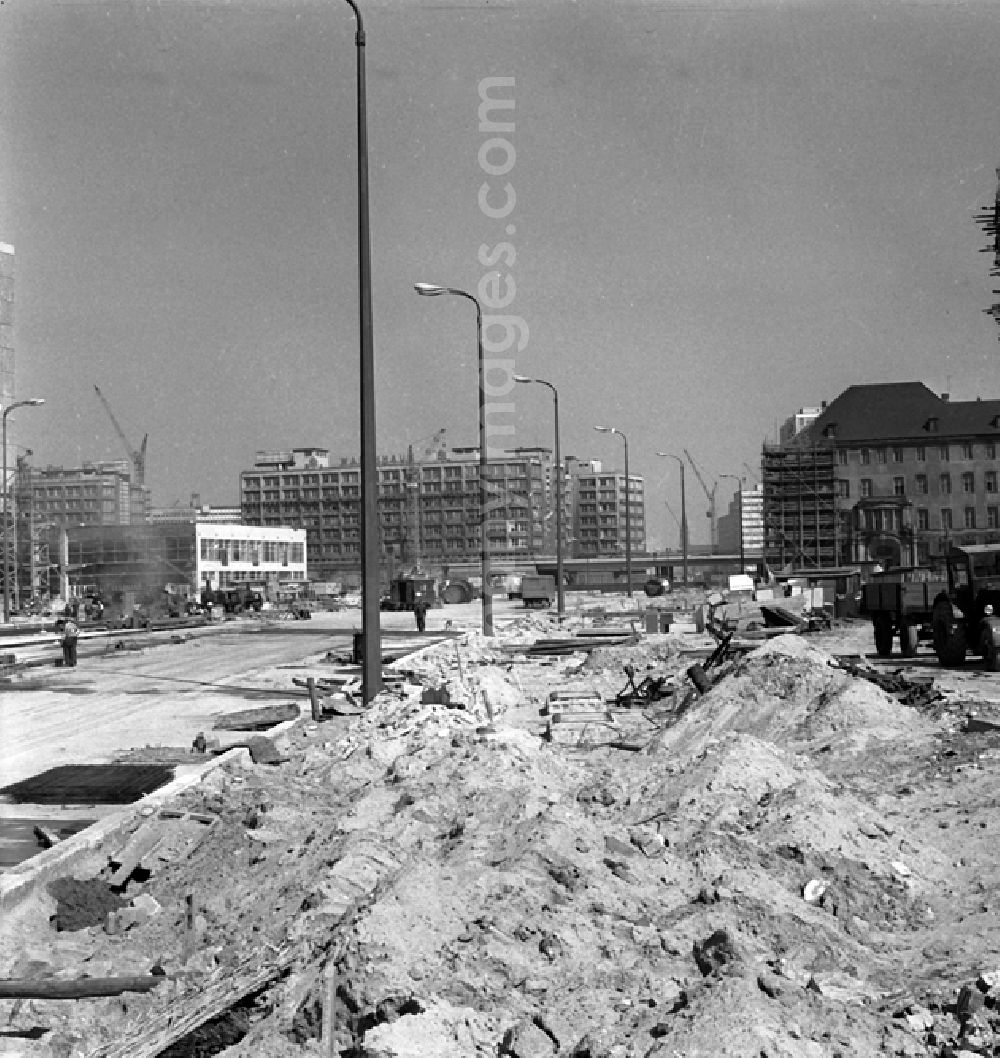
715,213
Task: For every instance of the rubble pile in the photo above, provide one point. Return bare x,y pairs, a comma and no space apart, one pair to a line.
795,865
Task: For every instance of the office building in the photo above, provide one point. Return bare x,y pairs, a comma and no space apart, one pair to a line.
888,474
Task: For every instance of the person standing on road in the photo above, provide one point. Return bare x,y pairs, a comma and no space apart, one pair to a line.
70,634
420,608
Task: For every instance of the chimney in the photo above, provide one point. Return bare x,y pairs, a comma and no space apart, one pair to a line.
946,397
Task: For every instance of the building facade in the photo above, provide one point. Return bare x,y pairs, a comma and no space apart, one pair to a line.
889,474
429,510
742,526
130,565
94,494
599,499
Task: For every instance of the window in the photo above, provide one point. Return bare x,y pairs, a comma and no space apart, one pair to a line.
990,481
898,487
880,455
921,484
866,456
920,452
993,517
970,517
923,519
897,455
844,490
991,450
968,481
842,457
946,518
945,453
866,487
967,450
945,484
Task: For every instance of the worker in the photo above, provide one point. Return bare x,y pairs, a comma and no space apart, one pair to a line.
70,634
420,608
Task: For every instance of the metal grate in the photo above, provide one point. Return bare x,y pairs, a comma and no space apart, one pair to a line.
106,784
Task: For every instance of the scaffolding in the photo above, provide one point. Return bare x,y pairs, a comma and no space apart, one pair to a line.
802,527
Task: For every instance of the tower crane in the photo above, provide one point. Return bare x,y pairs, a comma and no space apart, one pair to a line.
137,456
714,536
414,536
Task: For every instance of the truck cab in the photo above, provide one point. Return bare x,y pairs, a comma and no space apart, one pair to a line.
967,616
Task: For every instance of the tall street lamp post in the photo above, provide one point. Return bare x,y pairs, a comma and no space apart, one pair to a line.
432,290
560,590
684,521
628,507
371,663
6,562
739,498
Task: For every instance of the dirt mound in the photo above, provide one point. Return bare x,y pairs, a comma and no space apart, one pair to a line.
83,902
790,693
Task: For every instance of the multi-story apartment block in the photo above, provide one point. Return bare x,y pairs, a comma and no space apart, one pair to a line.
94,494
742,526
429,510
890,474
599,499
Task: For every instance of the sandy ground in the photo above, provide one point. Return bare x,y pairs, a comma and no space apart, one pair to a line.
793,864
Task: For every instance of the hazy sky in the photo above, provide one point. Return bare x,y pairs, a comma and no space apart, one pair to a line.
724,211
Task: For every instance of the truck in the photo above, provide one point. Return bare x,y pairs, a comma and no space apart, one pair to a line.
404,592
966,615
900,602
538,590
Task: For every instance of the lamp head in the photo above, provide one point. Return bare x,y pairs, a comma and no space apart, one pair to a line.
429,289
521,378
604,429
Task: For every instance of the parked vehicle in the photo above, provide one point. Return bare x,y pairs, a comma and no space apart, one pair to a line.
404,592
966,616
901,602
538,590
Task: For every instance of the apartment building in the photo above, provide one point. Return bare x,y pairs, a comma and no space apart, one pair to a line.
598,502
93,494
891,474
429,509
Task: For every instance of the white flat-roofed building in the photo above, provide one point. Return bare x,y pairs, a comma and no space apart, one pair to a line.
232,554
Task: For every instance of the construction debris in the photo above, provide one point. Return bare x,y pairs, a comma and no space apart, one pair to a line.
786,860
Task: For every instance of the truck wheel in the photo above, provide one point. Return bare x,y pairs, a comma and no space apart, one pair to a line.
883,636
990,649
909,638
949,635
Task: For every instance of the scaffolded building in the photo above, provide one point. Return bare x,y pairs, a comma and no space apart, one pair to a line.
802,526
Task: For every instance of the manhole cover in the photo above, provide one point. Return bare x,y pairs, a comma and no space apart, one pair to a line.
106,784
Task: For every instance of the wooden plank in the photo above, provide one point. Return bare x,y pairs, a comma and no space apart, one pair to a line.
82,988
196,1007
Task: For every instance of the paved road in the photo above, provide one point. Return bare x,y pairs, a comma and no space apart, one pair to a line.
164,694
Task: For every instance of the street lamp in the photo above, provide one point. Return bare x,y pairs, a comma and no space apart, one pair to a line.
560,591
739,497
6,563
628,507
684,521
371,647
432,290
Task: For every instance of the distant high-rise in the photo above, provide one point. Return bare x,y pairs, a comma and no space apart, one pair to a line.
6,324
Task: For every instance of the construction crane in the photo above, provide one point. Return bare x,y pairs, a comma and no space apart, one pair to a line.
710,493
138,457
437,444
